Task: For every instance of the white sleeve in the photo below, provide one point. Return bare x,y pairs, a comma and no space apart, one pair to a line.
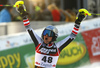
36,39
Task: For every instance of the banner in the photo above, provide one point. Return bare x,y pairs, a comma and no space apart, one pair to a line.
24,56
16,57
74,55
92,40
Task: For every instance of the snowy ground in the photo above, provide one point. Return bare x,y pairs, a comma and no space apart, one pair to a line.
94,65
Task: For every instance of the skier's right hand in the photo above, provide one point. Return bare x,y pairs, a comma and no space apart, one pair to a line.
21,8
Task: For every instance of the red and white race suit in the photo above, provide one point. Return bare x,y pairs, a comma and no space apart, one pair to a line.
46,56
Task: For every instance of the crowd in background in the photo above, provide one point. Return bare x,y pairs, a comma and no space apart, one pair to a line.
5,15
52,13
41,13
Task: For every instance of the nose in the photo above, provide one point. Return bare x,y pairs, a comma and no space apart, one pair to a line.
46,35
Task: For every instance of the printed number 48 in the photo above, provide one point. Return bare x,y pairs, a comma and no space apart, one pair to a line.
49,59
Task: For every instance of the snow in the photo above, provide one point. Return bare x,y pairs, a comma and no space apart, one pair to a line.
93,65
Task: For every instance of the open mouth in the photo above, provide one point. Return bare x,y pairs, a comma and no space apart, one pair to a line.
46,38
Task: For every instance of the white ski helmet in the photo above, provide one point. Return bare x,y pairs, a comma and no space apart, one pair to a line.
51,31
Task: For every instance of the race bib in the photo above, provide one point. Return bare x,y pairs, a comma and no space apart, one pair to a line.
45,60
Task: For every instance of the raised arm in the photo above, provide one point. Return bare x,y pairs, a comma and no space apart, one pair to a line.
63,43
36,39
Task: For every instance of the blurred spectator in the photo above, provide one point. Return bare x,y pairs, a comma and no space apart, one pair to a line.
5,15
93,7
70,15
62,15
17,18
36,7
65,16
44,14
55,12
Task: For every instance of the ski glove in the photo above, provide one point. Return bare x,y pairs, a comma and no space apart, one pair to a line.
22,11
21,8
81,15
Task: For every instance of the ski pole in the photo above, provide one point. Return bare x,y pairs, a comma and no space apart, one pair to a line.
6,5
17,4
87,12
95,14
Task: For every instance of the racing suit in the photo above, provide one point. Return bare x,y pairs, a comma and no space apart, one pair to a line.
46,55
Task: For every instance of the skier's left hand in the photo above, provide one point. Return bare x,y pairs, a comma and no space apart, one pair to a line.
81,15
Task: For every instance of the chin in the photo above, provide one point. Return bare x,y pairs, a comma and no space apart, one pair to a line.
46,42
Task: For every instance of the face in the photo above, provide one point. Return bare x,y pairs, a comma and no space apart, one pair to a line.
47,39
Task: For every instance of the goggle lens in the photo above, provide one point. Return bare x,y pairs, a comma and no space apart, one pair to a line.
49,33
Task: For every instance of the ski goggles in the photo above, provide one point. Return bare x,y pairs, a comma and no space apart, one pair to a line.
49,33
